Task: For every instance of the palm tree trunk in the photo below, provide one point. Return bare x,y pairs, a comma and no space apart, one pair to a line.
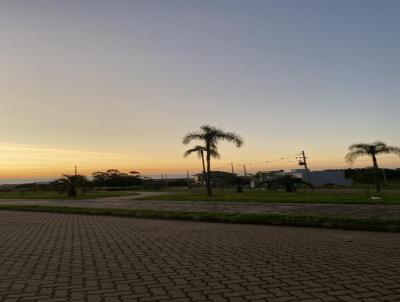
376,173
208,180
204,168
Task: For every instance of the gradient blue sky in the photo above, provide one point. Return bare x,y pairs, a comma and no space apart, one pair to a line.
118,83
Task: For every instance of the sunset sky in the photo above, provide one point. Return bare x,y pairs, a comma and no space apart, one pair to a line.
116,84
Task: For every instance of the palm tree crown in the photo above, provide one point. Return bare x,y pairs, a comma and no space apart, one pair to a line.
378,147
212,135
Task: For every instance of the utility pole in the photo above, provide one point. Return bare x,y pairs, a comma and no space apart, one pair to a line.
384,175
303,162
188,180
76,171
303,154
244,169
233,171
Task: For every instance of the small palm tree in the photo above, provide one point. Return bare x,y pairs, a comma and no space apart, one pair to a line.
371,150
211,136
200,153
72,182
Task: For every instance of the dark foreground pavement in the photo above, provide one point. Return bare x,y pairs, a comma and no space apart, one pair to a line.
61,257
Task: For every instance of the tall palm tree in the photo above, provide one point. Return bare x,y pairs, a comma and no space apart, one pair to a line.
211,136
371,150
200,152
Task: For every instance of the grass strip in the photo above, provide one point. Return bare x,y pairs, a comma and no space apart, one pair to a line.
58,196
368,224
281,197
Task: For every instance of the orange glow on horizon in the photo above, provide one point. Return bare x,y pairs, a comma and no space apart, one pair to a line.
26,161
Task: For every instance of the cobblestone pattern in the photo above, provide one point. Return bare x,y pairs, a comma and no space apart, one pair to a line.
349,210
60,257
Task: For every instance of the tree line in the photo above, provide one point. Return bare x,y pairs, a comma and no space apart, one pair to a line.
111,179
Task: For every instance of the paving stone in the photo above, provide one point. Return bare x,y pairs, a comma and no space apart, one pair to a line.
64,257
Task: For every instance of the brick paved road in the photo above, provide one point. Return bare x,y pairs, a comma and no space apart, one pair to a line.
60,257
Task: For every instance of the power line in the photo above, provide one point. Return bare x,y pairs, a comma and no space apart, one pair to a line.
282,158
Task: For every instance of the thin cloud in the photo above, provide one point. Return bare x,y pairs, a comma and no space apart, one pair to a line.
59,151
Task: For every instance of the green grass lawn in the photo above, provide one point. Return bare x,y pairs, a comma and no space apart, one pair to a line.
371,224
57,195
316,196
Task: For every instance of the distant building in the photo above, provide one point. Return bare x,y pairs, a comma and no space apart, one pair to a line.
316,178
321,178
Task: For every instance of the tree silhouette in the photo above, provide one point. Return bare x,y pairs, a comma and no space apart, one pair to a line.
372,150
116,178
73,181
200,153
211,136
288,182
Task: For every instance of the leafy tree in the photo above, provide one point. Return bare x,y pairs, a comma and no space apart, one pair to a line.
362,176
116,178
288,182
135,174
372,150
200,153
211,136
